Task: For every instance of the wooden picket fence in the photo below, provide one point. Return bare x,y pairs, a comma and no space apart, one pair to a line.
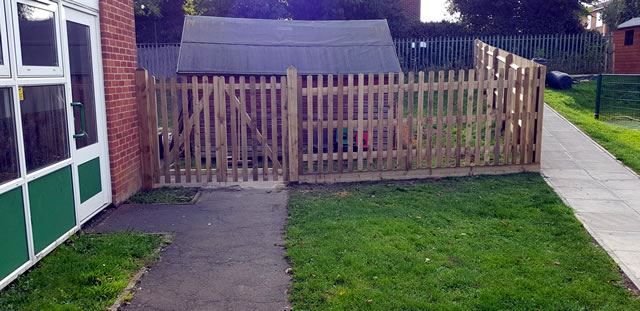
338,128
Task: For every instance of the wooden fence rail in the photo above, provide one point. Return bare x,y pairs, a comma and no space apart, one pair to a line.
333,128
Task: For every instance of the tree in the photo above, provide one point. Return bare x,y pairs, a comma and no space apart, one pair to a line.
350,10
272,9
162,20
436,29
193,7
158,20
520,16
619,11
147,8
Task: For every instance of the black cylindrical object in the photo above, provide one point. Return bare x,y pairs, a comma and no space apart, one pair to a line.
559,80
541,61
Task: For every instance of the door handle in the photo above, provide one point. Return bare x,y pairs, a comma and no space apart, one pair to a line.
83,120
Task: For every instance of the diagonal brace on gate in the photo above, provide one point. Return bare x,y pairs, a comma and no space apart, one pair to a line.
247,121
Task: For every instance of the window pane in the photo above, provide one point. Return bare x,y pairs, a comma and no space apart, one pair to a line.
628,37
37,36
8,151
82,81
44,123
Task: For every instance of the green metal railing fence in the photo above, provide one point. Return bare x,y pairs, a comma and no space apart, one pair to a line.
585,53
618,99
160,59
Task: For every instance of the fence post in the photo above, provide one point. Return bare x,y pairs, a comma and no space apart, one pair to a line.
542,76
292,102
608,53
598,96
142,98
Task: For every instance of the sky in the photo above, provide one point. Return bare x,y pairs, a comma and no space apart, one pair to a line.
434,10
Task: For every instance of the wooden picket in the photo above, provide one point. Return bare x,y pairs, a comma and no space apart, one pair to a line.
333,128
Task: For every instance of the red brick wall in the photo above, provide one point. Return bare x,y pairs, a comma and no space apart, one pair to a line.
411,9
626,59
117,27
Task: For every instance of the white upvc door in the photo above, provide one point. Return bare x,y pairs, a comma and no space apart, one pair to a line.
83,69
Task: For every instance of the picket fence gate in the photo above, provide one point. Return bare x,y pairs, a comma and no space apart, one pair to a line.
343,128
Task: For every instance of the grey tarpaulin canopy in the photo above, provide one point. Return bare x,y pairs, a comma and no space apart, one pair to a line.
255,46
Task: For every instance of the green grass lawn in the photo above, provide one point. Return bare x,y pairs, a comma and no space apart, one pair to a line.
577,105
165,195
482,243
86,273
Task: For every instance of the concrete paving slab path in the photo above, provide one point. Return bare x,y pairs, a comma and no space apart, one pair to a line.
227,254
604,193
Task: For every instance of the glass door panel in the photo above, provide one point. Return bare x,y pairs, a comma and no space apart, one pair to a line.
82,84
90,161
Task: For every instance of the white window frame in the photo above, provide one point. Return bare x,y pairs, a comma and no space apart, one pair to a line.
38,71
5,68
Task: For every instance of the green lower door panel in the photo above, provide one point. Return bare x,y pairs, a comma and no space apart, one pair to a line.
90,180
13,232
52,208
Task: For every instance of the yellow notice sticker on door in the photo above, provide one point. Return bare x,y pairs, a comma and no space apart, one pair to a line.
21,93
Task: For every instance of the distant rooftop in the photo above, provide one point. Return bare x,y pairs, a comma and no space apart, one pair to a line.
634,22
256,46
597,6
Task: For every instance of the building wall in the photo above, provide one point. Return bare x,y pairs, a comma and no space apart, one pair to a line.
117,26
603,29
411,9
626,59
